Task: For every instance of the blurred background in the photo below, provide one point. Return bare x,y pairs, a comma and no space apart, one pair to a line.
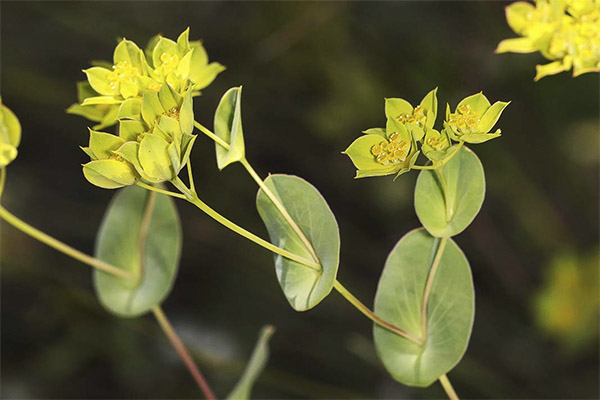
314,76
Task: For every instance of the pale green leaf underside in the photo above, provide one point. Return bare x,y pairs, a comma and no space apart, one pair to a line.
464,180
303,287
450,310
118,243
228,126
255,366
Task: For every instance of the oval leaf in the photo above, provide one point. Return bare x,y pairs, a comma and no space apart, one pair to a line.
140,232
450,309
255,366
228,126
303,286
447,200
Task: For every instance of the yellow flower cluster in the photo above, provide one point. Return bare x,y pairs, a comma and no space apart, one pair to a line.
392,151
565,31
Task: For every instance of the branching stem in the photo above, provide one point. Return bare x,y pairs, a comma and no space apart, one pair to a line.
371,315
63,248
183,353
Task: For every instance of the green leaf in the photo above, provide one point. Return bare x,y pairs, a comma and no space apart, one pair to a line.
186,113
131,109
151,107
154,158
491,116
362,158
430,106
228,126
129,52
109,174
99,100
255,366
449,316
478,103
476,138
98,79
102,144
130,129
138,233
395,107
163,45
448,199
204,77
303,286
375,131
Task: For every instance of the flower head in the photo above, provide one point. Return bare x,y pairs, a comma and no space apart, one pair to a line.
564,31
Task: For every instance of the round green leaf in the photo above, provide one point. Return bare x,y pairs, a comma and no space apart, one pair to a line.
448,199
303,286
125,241
450,309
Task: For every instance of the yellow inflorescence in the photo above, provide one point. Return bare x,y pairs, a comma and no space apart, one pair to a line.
173,113
169,62
417,117
122,72
392,151
436,143
464,120
154,86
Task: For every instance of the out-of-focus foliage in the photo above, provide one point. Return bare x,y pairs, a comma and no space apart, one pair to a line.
565,31
567,306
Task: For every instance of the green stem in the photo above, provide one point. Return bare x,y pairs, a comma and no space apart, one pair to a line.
371,315
191,176
448,388
2,180
63,248
281,209
183,353
429,284
161,191
195,200
211,135
265,189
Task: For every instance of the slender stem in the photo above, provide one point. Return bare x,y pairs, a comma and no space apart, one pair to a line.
63,248
211,135
429,284
183,353
161,191
424,167
191,176
145,224
448,388
195,200
371,315
281,209
2,180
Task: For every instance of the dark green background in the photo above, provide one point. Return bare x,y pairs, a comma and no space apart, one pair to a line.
314,76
